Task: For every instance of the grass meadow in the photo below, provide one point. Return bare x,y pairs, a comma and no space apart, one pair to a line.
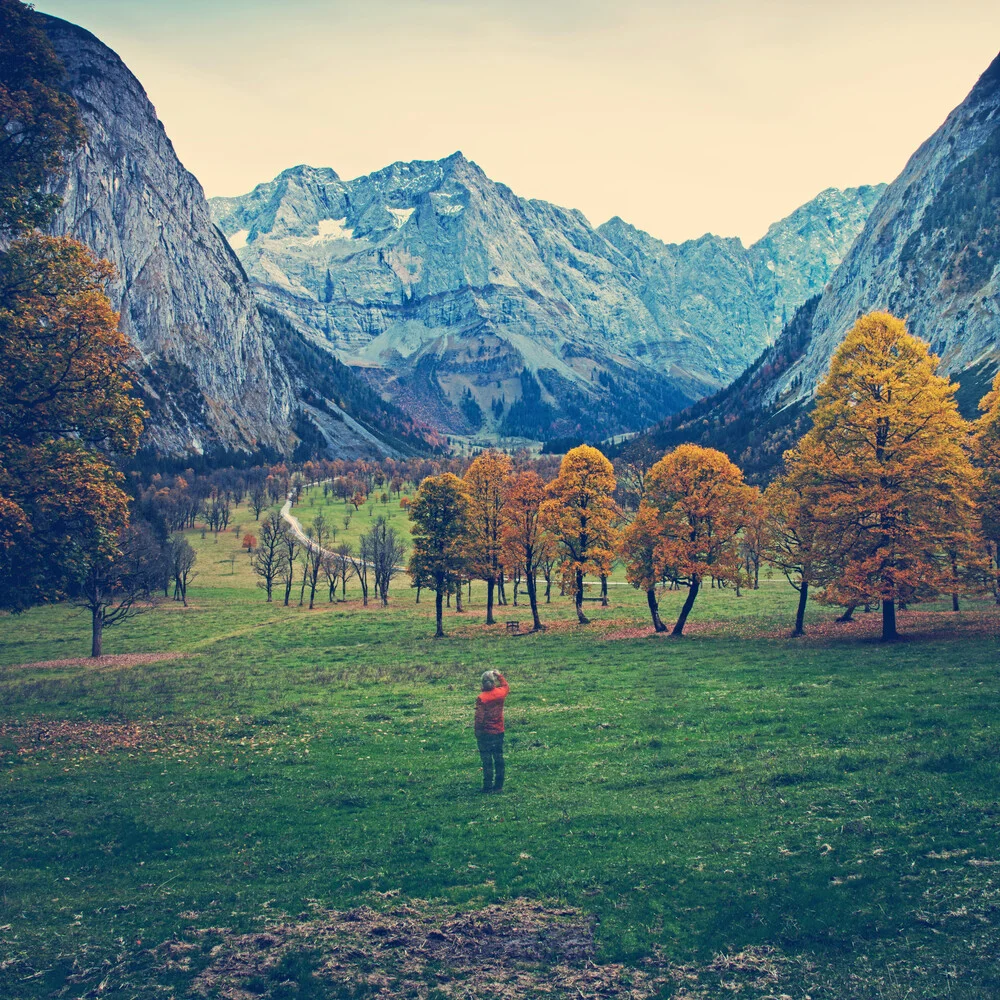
733,813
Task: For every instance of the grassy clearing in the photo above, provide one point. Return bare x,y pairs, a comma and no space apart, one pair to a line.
825,808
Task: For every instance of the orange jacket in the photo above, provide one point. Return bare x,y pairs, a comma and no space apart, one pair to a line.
489,709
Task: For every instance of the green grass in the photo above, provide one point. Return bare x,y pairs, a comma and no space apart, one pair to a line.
835,799
336,513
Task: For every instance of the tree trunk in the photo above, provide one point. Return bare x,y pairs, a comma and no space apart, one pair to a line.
954,602
97,631
688,604
654,610
490,584
889,632
418,593
458,598
604,591
533,600
800,612
579,599
548,589
438,601
848,615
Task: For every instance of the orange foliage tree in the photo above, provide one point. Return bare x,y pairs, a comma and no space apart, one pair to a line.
580,513
65,388
699,502
486,487
522,535
884,467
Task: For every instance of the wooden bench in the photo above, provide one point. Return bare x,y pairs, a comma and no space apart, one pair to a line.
513,626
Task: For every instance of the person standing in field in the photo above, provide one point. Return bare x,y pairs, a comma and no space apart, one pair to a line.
489,728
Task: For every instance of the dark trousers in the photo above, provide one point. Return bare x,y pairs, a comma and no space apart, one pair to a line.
491,754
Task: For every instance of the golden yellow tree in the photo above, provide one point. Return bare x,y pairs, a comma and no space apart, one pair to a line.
580,513
700,502
523,538
486,484
987,454
885,468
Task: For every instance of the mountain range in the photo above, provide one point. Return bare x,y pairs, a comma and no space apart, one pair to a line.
375,315
929,251
485,313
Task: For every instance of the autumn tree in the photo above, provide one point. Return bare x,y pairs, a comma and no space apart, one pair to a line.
580,513
439,514
521,532
700,502
987,455
641,552
884,465
65,389
486,486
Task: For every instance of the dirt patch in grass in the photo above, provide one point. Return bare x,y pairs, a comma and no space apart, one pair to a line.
119,662
521,948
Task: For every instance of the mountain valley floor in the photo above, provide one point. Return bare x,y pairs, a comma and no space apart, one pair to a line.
247,800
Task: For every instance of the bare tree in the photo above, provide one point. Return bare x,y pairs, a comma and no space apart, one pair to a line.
290,550
258,499
119,583
344,565
382,549
315,554
267,559
181,557
361,572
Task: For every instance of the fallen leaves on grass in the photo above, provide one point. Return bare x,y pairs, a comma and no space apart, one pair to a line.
505,951
913,625
73,740
118,662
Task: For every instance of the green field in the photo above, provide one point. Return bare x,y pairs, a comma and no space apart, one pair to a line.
730,814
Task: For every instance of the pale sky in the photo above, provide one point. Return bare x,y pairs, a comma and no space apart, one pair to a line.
683,117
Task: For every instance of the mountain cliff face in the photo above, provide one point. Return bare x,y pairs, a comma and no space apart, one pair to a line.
478,310
930,251
209,372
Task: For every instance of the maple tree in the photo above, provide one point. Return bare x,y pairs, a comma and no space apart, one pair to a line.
439,514
700,503
64,388
486,486
884,468
580,513
523,539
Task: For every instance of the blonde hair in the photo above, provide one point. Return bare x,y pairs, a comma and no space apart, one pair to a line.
489,680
